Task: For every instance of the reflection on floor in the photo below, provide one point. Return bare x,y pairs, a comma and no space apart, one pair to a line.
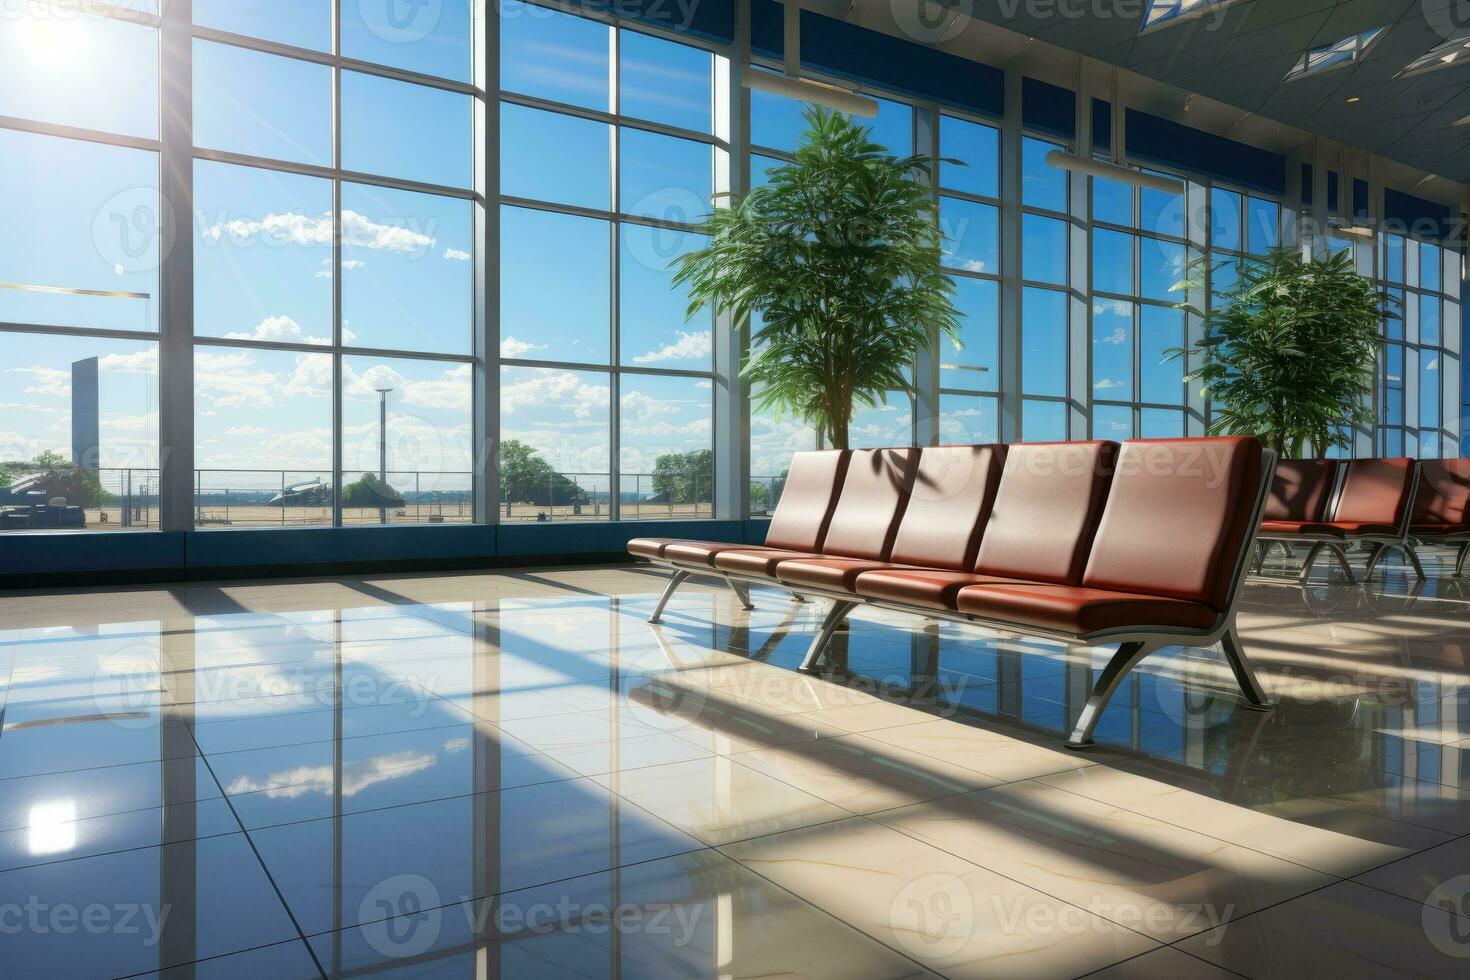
513,775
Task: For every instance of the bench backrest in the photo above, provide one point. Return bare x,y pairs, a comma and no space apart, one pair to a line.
949,506
807,500
1444,492
874,493
1300,490
1376,491
1046,511
1178,516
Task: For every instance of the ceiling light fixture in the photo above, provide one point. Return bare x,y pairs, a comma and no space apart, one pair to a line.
1455,51
1354,99
793,86
1349,51
1112,171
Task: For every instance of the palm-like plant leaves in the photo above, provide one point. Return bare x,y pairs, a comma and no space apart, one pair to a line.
838,256
1288,354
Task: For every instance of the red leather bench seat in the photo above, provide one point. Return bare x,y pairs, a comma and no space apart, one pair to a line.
1041,524
1443,502
799,523
1374,499
947,511
1300,493
1077,610
874,492
1166,550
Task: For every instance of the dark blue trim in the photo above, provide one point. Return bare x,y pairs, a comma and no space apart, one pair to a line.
1102,125
1049,108
1309,185
1333,192
1360,198
712,20
1162,141
848,51
1414,214
125,557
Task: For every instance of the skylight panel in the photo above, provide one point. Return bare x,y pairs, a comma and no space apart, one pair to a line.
1163,13
1339,55
1447,55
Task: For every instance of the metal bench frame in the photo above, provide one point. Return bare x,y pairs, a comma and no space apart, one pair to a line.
1381,544
1134,643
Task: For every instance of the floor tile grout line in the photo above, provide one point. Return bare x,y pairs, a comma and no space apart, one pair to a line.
1384,891
265,869
1204,833
1035,888
221,956
1151,952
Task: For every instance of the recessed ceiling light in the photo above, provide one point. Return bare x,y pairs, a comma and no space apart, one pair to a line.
1354,100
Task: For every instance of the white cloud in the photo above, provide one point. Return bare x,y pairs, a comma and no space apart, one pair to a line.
456,254
356,776
558,390
143,361
1116,307
515,347
1107,384
1118,336
48,381
689,346
131,423
245,430
311,376
450,391
641,407
278,328
973,265
294,228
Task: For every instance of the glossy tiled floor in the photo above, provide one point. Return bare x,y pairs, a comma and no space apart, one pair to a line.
513,775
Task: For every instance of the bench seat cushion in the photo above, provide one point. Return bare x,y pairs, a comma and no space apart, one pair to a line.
840,574
758,561
696,552
1280,528
1438,529
933,588
1080,611
1347,528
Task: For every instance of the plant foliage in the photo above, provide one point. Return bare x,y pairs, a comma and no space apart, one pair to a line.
1289,353
837,255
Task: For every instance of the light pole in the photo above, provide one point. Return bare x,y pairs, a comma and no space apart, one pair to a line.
382,454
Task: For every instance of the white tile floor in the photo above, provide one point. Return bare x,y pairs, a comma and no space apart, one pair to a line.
512,774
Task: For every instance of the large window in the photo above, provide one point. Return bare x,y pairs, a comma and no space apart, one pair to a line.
333,271
1140,251
1045,310
606,402
969,188
85,234
1418,399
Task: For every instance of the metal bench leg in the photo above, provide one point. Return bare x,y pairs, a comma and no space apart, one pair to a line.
1316,549
676,580
835,616
1342,559
1245,675
1263,548
1413,557
742,592
1460,559
1123,661
1375,555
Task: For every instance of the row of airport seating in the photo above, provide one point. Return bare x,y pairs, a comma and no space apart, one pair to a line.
1142,544
1384,505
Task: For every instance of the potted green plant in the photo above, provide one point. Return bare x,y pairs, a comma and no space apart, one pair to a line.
1288,354
838,254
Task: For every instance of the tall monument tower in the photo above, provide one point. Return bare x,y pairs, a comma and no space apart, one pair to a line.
86,441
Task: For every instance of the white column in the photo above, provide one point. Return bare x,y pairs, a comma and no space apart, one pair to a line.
176,275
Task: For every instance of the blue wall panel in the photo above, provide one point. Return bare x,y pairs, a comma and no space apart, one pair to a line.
103,551
1049,108
1162,141
902,67
328,545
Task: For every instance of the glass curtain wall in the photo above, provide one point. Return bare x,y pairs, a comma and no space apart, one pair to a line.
85,236
1045,280
1418,396
333,266
609,154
